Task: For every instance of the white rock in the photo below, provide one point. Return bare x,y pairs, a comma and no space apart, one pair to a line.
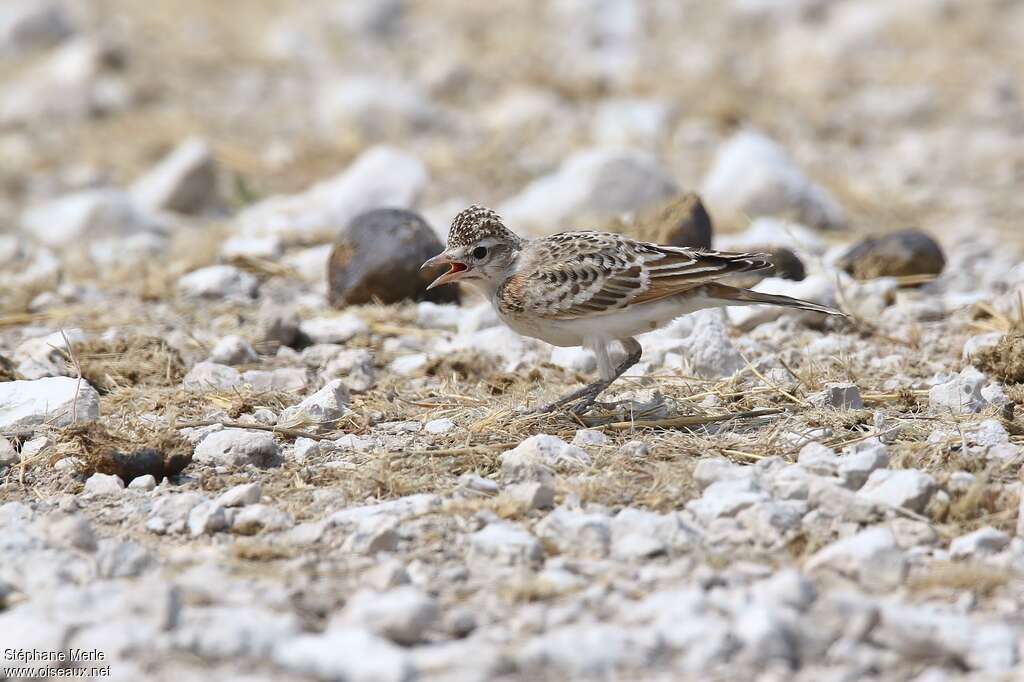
589,437
537,457
408,365
291,379
725,499
960,395
981,543
577,533
704,346
439,426
30,24
980,342
859,461
989,432
372,535
994,394
753,176
585,651
623,122
907,488
170,512
103,484
634,449
233,350
376,106
255,518
211,376
814,288
306,449
206,518
431,315
146,482
338,329
43,356
381,177
818,459
840,396
505,542
323,409
532,494
184,181
72,531
219,282
88,215
8,455
857,556
590,183
713,469
56,401
240,495
310,265
574,359
268,248
477,318
403,614
475,483
238,447
764,232
638,534
350,654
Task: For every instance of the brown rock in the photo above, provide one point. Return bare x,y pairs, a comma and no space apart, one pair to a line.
900,254
378,257
681,221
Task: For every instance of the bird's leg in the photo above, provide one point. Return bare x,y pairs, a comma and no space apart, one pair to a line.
588,394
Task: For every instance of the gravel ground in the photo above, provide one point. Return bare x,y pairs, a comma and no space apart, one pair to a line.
207,471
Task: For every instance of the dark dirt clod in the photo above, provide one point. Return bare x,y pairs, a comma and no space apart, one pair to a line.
1005,360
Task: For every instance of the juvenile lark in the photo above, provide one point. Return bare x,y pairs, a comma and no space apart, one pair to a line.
591,289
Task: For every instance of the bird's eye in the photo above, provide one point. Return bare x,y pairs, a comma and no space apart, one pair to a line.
479,252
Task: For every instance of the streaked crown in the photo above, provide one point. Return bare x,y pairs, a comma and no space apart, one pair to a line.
475,223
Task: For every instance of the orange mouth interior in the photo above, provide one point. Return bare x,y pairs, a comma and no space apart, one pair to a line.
456,267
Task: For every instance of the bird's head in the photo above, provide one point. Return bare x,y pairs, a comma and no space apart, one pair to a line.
480,249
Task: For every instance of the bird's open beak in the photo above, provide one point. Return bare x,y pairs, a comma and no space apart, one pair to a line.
456,269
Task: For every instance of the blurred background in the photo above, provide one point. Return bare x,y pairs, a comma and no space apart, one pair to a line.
858,115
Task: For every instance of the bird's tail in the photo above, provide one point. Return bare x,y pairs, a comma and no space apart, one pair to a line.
737,296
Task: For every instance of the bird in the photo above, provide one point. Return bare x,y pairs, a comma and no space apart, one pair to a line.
593,289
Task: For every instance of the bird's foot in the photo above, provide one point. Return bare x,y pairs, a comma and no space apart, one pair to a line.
585,398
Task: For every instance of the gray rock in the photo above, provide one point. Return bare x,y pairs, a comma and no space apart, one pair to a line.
634,449
377,107
279,325
219,282
184,181
595,182
8,455
292,379
403,614
960,395
980,342
713,469
753,176
623,122
380,177
373,534
726,498
211,376
900,254
350,654
588,650
907,488
56,401
378,256
240,495
72,531
170,512
103,484
27,25
233,350
477,485
238,447
638,534
584,437
116,559
438,427
706,349
979,544
505,542
322,410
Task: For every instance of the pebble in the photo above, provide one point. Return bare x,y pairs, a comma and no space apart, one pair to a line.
532,494
584,437
753,176
839,396
306,449
184,181
979,544
380,177
57,401
103,484
378,257
338,329
233,350
350,654
207,518
240,495
255,518
320,411
219,282
402,614
439,426
592,182
576,533
634,449
908,488
238,447
505,542
145,483
871,555
900,254
959,395
538,457
857,463
574,359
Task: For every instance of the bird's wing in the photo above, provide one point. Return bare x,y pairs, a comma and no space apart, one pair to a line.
584,274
